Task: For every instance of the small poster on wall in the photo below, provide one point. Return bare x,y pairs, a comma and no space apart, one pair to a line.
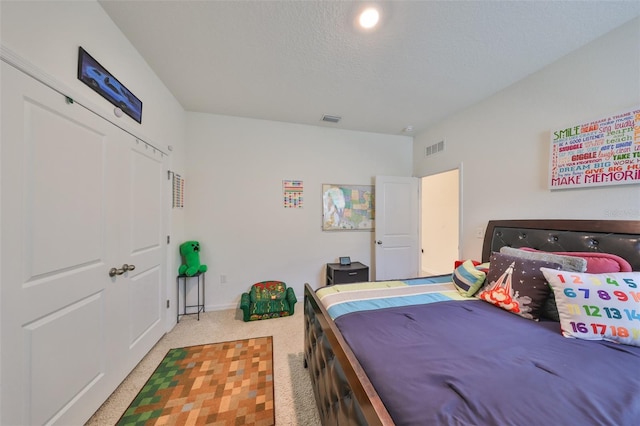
94,75
178,191
594,153
293,191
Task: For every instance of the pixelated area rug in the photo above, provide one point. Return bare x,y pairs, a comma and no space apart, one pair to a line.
229,383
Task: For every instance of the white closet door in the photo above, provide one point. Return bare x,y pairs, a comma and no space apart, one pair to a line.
70,333
139,299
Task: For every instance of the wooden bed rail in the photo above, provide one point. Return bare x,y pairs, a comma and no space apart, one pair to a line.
344,394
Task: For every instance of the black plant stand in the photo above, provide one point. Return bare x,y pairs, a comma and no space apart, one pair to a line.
199,306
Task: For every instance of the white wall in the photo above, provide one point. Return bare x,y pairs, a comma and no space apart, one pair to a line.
234,205
46,35
504,141
234,167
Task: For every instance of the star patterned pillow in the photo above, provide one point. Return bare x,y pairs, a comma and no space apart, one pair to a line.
517,285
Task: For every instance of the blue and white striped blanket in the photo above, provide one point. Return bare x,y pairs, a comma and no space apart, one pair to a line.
346,298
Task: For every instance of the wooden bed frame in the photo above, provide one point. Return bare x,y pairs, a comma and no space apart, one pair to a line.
343,392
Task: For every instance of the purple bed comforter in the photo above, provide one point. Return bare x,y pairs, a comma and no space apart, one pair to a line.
470,363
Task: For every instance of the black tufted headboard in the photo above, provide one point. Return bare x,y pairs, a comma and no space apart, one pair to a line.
616,237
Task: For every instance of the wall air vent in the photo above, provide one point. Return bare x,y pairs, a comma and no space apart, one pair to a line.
434,149
331,118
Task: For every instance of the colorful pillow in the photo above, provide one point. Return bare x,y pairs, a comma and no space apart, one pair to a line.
597,263
517,285
468,278
567,263
484,267
598,306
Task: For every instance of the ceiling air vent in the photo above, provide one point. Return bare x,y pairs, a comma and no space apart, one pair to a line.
434,149
331,118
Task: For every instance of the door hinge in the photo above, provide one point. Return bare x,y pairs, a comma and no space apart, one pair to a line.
167,303
168,239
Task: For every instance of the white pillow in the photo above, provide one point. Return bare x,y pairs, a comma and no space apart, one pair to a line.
598,306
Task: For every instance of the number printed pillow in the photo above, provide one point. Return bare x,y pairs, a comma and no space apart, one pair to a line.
598,306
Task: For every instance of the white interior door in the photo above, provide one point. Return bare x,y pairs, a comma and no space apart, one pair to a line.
142,245
396,234
68,216
135,298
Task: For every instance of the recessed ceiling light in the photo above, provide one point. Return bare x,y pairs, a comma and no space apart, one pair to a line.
369,18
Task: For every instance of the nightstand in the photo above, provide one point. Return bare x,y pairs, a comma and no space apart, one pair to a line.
344,274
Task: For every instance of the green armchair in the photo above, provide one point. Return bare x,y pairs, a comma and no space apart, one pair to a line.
267,299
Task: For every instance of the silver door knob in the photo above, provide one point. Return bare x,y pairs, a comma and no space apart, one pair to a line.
114,271
126,267
378,242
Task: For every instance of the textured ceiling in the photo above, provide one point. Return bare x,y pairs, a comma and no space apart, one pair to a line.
294,61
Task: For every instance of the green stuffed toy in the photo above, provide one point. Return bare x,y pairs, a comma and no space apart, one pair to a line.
190,252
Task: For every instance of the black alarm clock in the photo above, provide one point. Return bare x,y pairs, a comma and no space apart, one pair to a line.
345,261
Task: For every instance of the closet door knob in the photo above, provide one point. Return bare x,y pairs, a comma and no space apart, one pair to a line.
113,272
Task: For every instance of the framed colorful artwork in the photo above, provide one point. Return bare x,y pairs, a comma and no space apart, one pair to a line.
347,207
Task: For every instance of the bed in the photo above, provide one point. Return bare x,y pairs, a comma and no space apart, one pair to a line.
440,357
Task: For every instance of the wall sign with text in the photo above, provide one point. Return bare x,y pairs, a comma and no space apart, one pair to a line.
601,152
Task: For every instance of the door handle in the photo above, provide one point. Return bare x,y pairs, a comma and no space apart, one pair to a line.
379,242
114,271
